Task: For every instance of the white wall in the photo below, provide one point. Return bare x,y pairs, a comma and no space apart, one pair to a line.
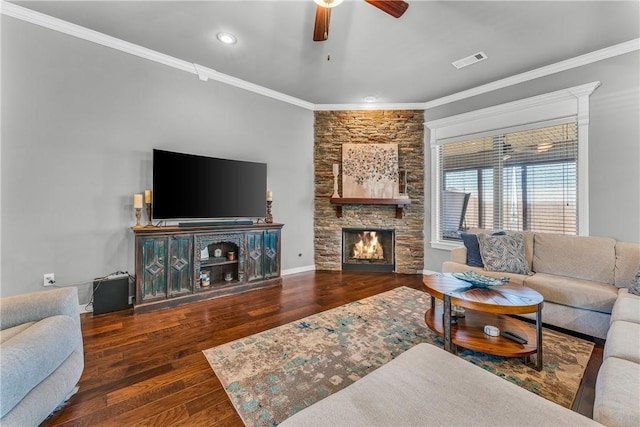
79,122
614,144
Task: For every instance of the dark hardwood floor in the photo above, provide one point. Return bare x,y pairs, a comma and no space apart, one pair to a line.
148,369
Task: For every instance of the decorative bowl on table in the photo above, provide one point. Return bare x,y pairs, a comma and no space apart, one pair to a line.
479,281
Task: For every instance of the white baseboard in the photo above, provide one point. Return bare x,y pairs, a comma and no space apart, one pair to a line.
306,268
84,309
296,270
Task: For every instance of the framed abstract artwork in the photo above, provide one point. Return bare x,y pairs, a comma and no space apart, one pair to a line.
370,171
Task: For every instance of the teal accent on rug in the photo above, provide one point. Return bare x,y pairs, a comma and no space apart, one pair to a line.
272,375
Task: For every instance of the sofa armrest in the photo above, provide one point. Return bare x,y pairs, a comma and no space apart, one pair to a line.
36,306
459,255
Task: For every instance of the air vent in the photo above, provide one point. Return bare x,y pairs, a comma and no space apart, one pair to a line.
472,59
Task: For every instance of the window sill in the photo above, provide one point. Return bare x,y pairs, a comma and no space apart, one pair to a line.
446,246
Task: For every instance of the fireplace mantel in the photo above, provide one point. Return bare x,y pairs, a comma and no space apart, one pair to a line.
340,201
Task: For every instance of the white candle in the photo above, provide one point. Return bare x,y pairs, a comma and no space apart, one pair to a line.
336,168
147,196
137,201
269,196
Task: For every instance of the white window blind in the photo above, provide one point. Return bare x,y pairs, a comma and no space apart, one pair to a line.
523,180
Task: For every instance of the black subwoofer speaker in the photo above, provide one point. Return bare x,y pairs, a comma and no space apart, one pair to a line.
111,295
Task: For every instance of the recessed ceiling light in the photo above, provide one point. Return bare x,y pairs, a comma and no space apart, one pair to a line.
226,38
369,99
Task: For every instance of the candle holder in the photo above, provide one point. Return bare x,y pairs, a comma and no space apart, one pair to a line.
149,223
336,195
269,218
138,215
404,189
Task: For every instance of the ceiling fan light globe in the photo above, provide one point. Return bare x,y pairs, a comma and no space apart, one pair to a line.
328,3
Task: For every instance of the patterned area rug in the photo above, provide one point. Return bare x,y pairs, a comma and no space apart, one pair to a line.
274,374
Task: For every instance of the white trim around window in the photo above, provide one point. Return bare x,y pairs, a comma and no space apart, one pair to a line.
560,106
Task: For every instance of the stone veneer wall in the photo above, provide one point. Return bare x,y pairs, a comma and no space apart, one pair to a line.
334,128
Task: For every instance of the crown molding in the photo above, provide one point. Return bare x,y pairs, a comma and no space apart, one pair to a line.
369,106
205,73
578,61
102,39
543,100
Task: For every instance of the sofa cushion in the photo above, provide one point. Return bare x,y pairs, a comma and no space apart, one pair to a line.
617,393
592,323
624,293
470,240
32,355
426,385
623,342
627,263
579,293
588,258
50,394
34,306
503,253
626,308
8,333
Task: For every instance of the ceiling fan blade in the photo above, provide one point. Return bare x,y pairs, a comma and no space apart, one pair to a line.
394,8
321,28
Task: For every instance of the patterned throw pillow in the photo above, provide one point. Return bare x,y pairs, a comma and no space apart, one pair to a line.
635,284
474,259
503,253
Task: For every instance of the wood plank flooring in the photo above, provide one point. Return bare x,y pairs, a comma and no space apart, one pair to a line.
148,369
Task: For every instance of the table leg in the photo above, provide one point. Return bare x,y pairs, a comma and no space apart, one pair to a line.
433,303
539,338
446,323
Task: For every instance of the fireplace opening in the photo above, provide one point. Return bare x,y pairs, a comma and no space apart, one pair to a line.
368,249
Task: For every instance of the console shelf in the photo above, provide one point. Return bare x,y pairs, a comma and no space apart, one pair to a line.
170,271
340,201
210,262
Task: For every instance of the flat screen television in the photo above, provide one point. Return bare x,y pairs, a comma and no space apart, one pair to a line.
188,186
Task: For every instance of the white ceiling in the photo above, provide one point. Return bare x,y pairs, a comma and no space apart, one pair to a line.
406,60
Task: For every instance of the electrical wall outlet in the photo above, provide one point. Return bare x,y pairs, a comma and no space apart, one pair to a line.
49,279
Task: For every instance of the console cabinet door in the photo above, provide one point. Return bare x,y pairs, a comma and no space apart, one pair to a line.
271,254
180,263
255,264
155,251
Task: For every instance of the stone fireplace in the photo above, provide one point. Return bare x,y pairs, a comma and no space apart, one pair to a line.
332,129
367,249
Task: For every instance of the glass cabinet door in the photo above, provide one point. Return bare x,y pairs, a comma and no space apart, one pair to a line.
180,265
271,249
155,252
255,265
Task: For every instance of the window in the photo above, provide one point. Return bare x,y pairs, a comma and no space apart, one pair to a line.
517,181
519,166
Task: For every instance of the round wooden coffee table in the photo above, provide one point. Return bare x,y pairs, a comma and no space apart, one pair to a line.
485,306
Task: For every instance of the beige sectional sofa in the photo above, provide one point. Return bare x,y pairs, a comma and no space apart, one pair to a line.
578,276
584,282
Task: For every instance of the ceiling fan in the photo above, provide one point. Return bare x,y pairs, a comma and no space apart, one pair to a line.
394,8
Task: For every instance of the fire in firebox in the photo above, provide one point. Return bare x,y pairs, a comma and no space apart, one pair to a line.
368,246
